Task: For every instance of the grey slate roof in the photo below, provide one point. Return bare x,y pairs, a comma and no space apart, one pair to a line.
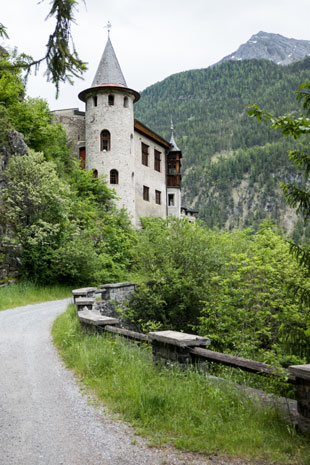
174,147
109,70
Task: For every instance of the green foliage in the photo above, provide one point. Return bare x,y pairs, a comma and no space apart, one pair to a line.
177,260
236,288
231,168
253,311
174,407
297,194
60,231
31,117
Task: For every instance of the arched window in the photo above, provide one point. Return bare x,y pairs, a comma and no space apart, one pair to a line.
111,99
95,174
105,140
113,177
126,102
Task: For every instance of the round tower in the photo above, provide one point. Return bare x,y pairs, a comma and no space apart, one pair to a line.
109,128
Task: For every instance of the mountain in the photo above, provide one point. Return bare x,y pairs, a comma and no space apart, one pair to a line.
273,47
232,165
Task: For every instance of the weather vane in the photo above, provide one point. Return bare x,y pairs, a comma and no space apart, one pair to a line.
108,27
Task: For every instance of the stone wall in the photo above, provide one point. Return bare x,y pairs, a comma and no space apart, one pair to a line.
73,121
119,121
118,292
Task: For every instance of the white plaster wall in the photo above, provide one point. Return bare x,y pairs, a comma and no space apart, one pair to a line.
148,176
176,209
119,121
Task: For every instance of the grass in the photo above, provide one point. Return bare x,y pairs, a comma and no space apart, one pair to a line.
19,294
173,407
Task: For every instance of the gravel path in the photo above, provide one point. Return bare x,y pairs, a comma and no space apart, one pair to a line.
44,417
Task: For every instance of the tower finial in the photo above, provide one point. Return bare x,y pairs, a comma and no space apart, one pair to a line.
108,27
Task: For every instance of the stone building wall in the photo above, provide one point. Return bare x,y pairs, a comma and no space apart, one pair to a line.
119,121
73,122
149,177
176,208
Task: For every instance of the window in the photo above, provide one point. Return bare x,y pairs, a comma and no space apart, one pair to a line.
95,100
113,177
95,174
126,102
170,200
105,140
146,193
82,154
111,99
145,154
158,197
156,160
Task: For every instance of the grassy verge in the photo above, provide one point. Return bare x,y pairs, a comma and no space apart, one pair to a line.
19,294
175,407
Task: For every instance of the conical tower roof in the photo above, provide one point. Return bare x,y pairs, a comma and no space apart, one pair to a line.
174,147
109,70
108,76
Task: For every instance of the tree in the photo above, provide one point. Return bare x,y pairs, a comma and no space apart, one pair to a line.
61,57
297,196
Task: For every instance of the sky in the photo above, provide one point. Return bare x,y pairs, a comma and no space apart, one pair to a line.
152,38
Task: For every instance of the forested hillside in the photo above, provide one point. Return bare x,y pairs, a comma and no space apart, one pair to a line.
232,166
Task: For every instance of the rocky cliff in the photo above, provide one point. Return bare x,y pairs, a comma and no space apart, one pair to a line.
273,47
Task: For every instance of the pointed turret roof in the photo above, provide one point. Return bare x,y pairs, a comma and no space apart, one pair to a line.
174,147
109,75
109,70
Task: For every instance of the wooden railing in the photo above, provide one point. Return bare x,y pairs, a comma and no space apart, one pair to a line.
172,346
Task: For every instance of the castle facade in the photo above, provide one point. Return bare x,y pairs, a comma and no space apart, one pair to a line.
142,167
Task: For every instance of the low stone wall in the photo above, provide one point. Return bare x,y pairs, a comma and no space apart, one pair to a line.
118,292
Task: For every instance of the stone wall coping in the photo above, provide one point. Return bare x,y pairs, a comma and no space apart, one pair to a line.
179,339
83,290
115,285
85,300
93,318
300,371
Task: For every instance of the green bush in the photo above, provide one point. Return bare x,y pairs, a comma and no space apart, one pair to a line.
236,288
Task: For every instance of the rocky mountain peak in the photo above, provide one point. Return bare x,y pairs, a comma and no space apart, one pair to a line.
273,47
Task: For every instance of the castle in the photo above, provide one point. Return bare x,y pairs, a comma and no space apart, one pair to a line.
142,167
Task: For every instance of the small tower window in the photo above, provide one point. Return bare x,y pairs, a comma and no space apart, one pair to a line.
113,177
95,174
126,102
95,100
170,200
111,99
105,141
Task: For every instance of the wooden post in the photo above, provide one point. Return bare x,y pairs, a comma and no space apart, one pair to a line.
302,383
